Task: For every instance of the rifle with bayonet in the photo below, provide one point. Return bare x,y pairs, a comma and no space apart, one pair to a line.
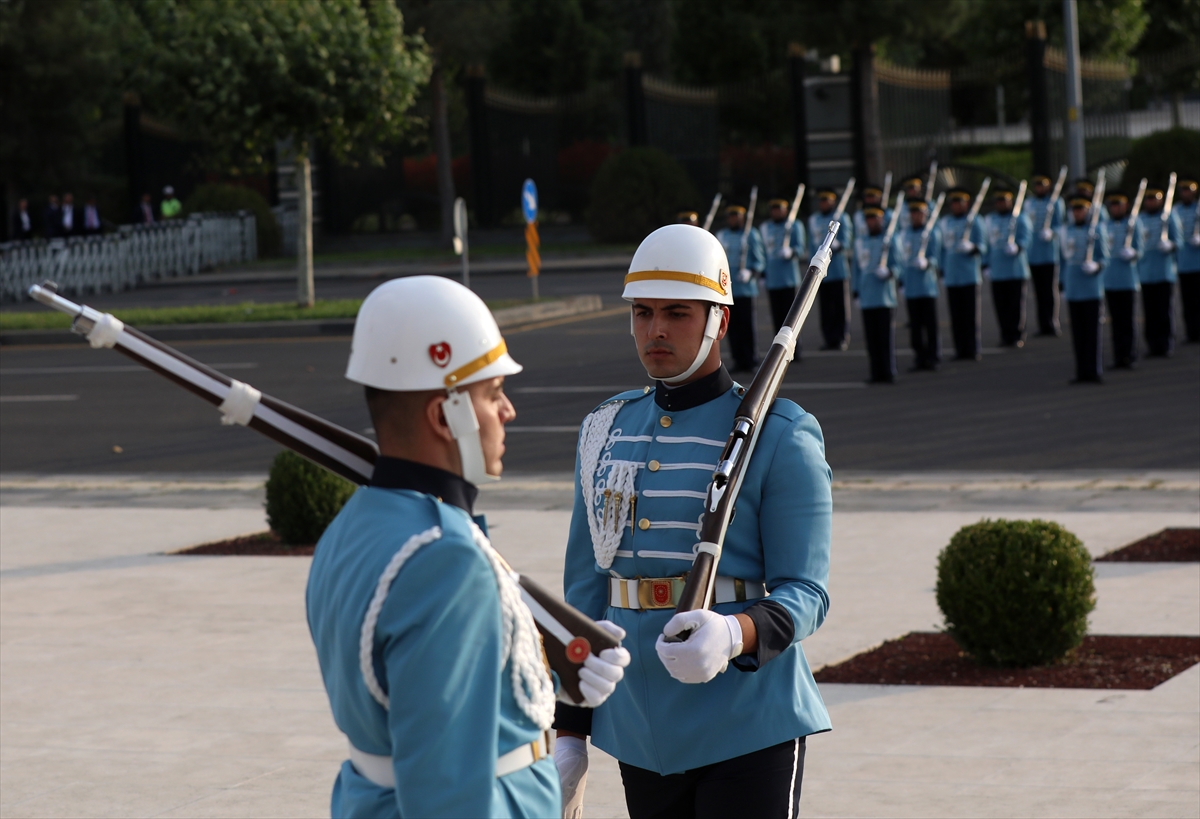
844,201
1047,233
932,181
888,236
928,231
568,635
975,206
887,189
1016,213
1168,206
712,212
748,227
1093,224
739,447
1131,223
791,220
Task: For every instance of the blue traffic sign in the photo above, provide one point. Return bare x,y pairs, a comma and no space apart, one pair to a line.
529,201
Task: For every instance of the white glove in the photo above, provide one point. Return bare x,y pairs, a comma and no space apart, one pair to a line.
714,641
1012,249
571,759
1165,246
1194,241
601,672
744,275
882,273
1128,254
1047,234
835,246
922,263
1091,268
966,248
787,252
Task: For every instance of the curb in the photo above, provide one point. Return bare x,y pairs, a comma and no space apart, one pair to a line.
330,328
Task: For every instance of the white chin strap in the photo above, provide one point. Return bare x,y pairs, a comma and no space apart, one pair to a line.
710,335
464,426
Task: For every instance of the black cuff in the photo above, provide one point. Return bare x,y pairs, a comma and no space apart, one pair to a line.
572,718
775,632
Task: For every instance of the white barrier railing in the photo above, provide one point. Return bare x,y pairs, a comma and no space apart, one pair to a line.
134,254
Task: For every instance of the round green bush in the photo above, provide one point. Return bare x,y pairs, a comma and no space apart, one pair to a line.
1015,592
1156,155
303,498
635,192
215,198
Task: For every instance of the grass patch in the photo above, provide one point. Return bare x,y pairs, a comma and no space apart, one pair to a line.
1016,162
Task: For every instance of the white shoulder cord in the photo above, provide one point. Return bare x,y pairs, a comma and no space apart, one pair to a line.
594,438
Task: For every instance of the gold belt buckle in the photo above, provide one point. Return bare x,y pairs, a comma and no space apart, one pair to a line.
659,592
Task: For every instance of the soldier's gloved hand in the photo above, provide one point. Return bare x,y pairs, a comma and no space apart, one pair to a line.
1165,246
601,672
1012,249
787,253
714,641
1128,254
1091,268
882,273
1047,234
966,248
922,264
835,246
744,275
571,759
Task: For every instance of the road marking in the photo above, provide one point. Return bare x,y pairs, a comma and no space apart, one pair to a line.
523,328
115,368
30,399
573,430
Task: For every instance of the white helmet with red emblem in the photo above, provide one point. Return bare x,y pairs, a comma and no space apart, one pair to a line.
428,333
682,262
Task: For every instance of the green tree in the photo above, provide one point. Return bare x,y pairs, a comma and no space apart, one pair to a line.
1169,51
239,76
551,48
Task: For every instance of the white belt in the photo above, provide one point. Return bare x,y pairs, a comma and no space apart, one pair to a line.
378,770
663,592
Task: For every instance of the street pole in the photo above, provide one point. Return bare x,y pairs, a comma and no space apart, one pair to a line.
1075,156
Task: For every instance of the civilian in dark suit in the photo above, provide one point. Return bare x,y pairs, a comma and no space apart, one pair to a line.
22,223
91,218
53,218
143,214
71,220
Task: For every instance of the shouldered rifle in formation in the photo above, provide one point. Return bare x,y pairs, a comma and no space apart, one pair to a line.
1016,212
891,232
791,219
844,201
975,206
887,189
932,181
569,636
1168,205
1058,186
1094,221
1131,223
712,212
748,227
739,447
928,231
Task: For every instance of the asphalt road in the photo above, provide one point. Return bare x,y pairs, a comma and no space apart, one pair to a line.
70,409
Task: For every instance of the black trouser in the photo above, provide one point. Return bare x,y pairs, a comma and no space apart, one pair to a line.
881,342
743,335
781,301
1158,307
1085,333
762,784
1122,315
964,319
835,307
1009,298
923,330
1189,294
1047,297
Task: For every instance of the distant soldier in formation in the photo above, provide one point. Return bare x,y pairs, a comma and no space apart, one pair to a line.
1188,257
1157,272
689,217
1121,280
1083,287
743,334
875,287
1043,252
834,295
1008,267
783,270
964,244
914,188
919,278
871,197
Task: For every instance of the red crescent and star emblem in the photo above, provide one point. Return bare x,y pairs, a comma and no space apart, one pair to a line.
662,593
439,353
724,281
578,650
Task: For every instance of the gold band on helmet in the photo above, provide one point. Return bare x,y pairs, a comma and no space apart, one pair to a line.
676,276
472,367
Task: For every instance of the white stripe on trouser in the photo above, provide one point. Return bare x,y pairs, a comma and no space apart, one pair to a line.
792,790
377,769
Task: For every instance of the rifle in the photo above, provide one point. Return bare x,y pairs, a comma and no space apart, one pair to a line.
1094,221
887,188
890,232
1131,224
928,231
1058,186
932,181
1016,212
844,201
748,227
739,447
712,212
568,635
975,206
1168,205
791,220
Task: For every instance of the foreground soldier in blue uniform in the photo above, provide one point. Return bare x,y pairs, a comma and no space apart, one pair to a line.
833,299
431,660
1157,273
1189,257
1083,287
783,269
714,725
1121,279
919,278
1008,267
964,243
1043,252
743,318
875,288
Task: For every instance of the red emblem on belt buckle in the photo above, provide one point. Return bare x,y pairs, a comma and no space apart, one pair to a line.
440,353
662,592
578,650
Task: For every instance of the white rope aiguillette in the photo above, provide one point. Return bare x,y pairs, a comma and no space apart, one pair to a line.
606,530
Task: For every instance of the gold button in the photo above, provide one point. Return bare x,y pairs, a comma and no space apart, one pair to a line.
643,524
665,420
653,466
645,390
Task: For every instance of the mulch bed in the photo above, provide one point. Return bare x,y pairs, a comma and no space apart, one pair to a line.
1103,661
1168,546
262,543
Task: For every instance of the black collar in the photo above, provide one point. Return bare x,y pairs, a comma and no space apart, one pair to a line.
397,473
701,391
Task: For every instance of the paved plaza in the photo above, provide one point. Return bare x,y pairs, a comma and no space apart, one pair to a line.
138,684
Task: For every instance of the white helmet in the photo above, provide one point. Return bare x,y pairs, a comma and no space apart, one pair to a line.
428,333
682,262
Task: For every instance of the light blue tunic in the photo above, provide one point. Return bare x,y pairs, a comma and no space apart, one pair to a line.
756,259
918,283
1188,254
873,291
780,536
783,273
818,226
1073,239
961,269
437,650
1120,274
1001,266
1041,251
1155,265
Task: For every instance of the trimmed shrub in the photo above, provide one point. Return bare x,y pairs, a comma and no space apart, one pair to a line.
303,498
232,198
635,192
1015,592
1156,155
